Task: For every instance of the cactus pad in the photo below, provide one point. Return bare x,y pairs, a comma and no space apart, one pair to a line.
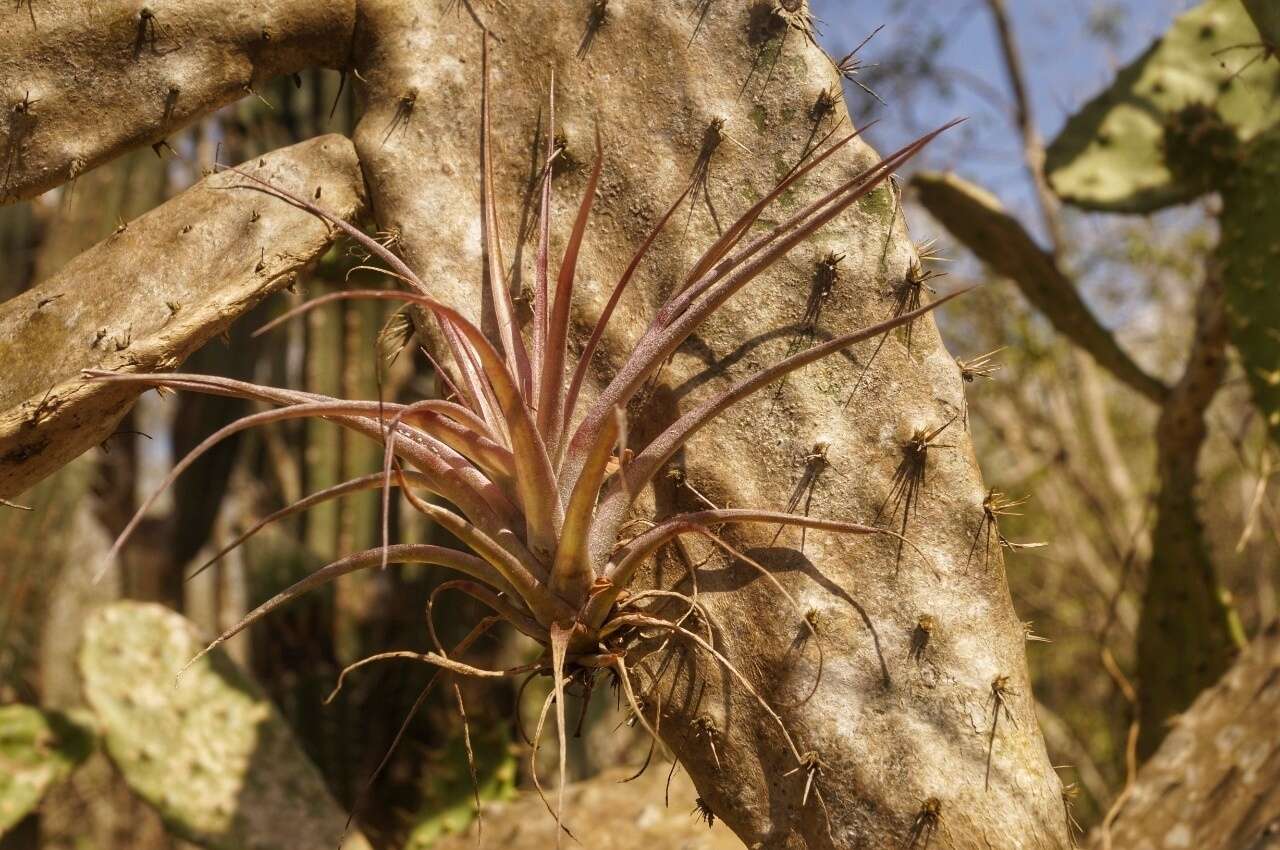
1111,155
37,750
209,752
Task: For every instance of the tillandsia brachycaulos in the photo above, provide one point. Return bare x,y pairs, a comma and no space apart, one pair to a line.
535,480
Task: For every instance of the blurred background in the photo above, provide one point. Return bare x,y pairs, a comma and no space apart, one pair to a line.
1048,424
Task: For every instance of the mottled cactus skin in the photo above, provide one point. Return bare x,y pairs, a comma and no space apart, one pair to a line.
38,749
209,751
1111,155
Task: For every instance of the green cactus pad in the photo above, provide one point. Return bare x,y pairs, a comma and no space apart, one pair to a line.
208,751
1249,258
1111,154
38,749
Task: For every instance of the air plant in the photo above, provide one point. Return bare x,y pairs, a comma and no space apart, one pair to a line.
534,478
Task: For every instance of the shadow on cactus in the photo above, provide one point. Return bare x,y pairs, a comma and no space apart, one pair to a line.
537,481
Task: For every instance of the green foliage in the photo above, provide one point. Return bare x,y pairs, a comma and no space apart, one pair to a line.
209,752
1113,154
38,749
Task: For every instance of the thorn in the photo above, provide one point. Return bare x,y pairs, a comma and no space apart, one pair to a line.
909,479
926,823
850,64
825,279
249,89
814,618
1069,795
994,506
1028,632
597,17
812,766
705,727
23,107
982,366
823,106
703,811
920,636
1000,693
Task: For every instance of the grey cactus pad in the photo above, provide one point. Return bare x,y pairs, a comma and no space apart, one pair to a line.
209,751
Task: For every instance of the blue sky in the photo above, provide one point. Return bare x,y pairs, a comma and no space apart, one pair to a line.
1070,49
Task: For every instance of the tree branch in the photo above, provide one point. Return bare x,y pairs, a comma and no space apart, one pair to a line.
1032,145
977,220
